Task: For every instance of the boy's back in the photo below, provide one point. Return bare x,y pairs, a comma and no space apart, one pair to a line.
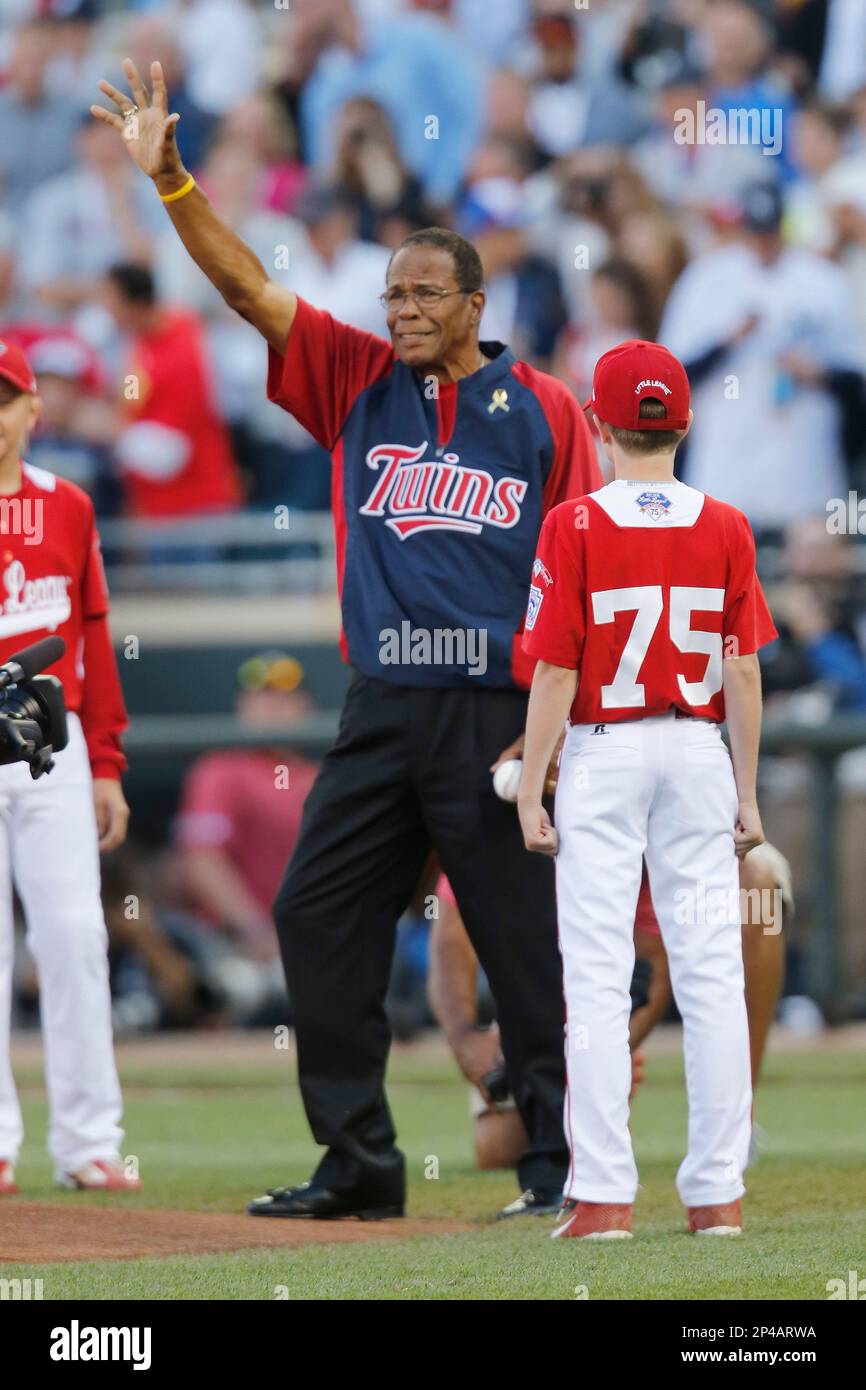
646,588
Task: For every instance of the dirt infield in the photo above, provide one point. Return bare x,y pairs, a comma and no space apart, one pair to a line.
39,1233
255,1048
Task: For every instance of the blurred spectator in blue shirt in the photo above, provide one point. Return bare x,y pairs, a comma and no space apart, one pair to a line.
525,306
568,107
834,662
150,37
737,43
38,127
81,222
415,65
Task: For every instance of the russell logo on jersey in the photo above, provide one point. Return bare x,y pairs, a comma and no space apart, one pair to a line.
438,494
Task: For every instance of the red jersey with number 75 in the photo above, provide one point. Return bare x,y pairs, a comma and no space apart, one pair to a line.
645,589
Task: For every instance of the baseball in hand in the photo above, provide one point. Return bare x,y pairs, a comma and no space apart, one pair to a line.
506,779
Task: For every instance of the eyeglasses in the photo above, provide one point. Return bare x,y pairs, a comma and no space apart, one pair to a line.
393,300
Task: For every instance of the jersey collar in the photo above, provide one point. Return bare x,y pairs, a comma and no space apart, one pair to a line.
486,379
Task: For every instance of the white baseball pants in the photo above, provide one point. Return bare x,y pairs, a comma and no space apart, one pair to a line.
662,788
48,844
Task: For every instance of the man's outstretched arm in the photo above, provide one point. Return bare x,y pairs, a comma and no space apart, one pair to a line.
230,265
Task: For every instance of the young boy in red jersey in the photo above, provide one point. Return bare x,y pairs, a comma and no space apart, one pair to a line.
51,829
645,614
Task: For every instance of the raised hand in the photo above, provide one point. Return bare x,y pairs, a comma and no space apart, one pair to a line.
148,130
145,124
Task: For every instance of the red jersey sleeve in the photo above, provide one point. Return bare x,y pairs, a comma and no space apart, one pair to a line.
103,711
575,470
94,589
747,618
555,626
325,367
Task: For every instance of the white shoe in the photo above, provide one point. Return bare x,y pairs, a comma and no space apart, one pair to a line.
102,1175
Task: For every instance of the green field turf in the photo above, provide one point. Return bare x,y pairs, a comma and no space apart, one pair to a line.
209,1140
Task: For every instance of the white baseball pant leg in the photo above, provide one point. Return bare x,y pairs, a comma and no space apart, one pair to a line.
661,786
695,885
11,1126
53,839
602,805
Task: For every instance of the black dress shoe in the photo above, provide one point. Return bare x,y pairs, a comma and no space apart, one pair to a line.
319,1203
532,1202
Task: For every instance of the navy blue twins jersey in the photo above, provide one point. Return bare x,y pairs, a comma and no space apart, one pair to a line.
438,494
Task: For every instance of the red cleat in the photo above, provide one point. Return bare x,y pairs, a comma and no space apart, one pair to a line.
8,1185
726,1219
99,1176
594,1221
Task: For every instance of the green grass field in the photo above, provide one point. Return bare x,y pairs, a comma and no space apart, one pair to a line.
209,1137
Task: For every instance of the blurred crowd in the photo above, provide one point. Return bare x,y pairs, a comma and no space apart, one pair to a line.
552,134
597,156
590,151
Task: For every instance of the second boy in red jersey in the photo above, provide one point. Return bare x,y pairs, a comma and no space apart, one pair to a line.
51,830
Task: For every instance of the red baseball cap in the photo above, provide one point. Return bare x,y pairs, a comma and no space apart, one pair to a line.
14,367
630,373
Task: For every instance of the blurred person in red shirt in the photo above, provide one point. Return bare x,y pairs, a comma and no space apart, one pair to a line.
241,810
174,447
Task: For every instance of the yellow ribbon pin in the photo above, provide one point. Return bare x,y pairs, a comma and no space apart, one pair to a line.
499,401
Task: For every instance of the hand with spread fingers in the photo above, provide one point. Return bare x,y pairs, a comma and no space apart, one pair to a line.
145,123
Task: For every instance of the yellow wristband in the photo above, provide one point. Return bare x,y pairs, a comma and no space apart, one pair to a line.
179,192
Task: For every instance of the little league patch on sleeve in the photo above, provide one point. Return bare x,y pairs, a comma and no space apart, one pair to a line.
536,593
535,597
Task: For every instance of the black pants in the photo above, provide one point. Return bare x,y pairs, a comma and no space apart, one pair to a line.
410,771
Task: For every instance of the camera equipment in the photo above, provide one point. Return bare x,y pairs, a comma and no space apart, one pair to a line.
32,709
